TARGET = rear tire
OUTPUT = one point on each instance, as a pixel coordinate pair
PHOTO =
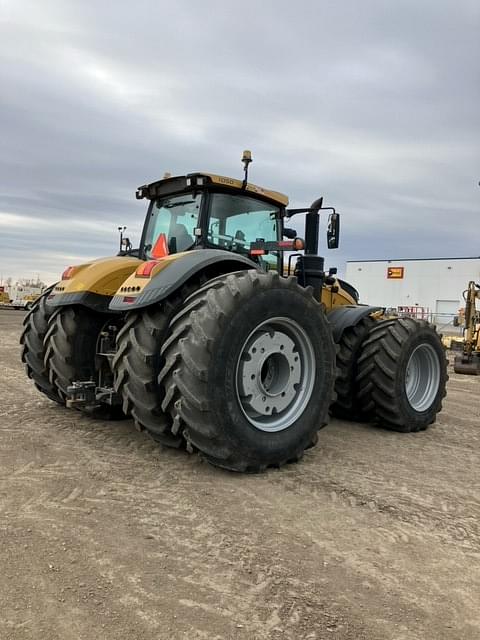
(136, 367)
(213, 370)
(137, 364)
(70, 351)
(402, 374)
(347, 406)
(32, 339)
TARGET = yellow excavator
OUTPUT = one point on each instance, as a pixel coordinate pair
(468, 361)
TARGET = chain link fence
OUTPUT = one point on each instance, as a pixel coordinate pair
(446, 323)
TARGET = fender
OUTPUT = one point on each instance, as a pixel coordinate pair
(346, 286)
(168, 274)
(348, 315)
(337, 294)
(92, 284)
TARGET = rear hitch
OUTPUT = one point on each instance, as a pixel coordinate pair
(82, 395)
(86, 395)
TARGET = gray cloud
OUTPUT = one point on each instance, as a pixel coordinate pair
(372, 104)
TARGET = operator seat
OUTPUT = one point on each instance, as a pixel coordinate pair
(239, 241)
(183, 240)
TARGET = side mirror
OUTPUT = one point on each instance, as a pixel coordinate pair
(291, 234)
(333, 231)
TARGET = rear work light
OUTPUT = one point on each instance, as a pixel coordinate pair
(145, 269)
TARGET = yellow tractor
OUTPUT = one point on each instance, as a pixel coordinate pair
(211, 340)
(469, 360)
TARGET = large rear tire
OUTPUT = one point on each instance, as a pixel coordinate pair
(249, 370)
(35, 325)
(347, 406)
(136, 367)
(402, 374)
(71, 351)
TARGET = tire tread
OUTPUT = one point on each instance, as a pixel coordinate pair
(187, 370)
(377, 370)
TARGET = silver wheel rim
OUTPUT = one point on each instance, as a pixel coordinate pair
(275, 374)
(422, 379)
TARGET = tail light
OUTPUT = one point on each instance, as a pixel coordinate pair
(145, 269)
(68, 273)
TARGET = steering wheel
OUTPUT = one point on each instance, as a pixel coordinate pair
(221, 240)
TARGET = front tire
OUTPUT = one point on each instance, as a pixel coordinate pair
(402, 374)
(249, 370)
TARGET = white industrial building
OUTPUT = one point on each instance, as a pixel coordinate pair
(430, 287)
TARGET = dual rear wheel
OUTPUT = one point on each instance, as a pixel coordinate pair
(60, 346)
(402, 375)
(249, 370)
(35, 327)
(391, 372)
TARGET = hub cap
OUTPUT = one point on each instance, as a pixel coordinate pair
(275, 374)
(422, 378)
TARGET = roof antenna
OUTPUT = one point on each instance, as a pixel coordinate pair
(122, 231)
(246, 159)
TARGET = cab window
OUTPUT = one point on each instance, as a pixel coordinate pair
(237, 221)
(171, 225)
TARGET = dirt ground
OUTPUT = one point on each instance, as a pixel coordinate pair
(103, 534)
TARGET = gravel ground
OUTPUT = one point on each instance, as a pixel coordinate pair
(103, 534)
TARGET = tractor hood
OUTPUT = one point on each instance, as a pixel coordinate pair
(93, 284)
(153, 281)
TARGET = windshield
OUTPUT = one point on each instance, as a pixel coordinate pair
(171, 225)
(237, 221)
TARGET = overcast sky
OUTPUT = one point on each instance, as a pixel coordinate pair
(373, 104)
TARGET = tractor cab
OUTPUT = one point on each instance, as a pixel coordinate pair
(235, 224)
(207, 211)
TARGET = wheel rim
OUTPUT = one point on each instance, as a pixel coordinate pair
(422, 378)
(275, 374)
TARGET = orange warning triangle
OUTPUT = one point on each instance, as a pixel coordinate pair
(160, 248)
